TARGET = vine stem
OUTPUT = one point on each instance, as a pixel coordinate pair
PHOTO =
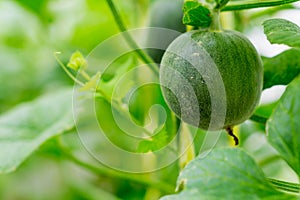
(66, 70)
(113, 173)
(253, 4)
(131, 42)
(105, 97)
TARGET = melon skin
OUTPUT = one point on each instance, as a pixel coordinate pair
(212, 80)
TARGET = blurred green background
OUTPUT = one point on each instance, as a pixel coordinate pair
(31, 31)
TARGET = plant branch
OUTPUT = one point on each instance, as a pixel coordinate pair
(116, 174)
(255, 4)
(144, 56)
(286, 186)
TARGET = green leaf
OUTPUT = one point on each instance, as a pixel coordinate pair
(281, 31)
(77, 61)
(195, 14)
(25, 128)
(281, 69)
(265, 110)
(283, 126)
(225, 173)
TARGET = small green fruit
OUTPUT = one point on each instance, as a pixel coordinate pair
(212, 79)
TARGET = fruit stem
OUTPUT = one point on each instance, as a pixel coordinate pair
(230, 133)
(216, 23)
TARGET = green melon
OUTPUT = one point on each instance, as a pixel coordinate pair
(212, 79)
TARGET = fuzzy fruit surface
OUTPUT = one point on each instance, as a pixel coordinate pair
(211, 80)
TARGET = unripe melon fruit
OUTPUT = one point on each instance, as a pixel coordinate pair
(201, 67)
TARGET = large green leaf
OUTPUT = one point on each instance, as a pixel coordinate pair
(25, 128)
(225, 174)
(281, 31)
(281, 69)
(284, 125)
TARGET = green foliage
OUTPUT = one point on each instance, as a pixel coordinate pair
(111, 77)
(139, 107)
(266, 110)
(281, 31)
(281, 69)
(25, 128)
(225, 174)
(283, 126)
(159, 139)
(196, 14)
(33, 121)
